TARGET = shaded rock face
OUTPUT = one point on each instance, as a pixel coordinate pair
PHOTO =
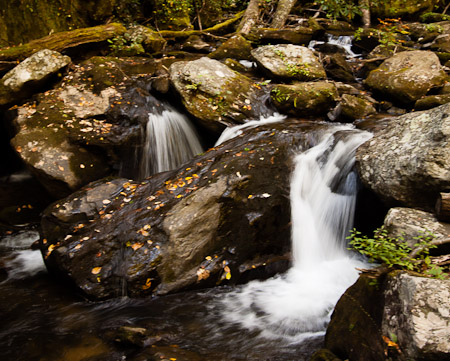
(297, 36)
(216, 95)
(82, 130)
(407, 162)
(412, 309)
(407, 76)
(289, 62)
(31, 73)
(417, 312)
(218, 216)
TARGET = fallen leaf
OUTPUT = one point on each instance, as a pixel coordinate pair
(96, 270)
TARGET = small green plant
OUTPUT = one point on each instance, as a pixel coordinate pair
(395, 252)
(279, 96)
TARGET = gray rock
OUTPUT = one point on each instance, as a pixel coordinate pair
(33, 71)
(216, 95)
(417, 312)
(289, 62)
(407, 76)
(410, 311)
(407, 163)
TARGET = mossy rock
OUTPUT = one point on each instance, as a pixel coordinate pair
(432, 101)
(401, 8)
(353, 107)
(216, 95)
(297, 36)
(407, 76)
(237, 47)
(305, 99)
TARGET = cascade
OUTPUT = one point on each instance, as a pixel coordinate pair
(298, 305)
(170, 140)
(341, 41)
(236, 130)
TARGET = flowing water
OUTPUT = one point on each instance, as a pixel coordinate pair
(170, 140)
(297, 305)
(341, 41)
(282, 319)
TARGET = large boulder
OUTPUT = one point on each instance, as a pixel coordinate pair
(407, 76)
(396, 316)
(31, 74)
(216, 95)
(407, 163)
(289, 62)
(85, 128)
(222, 216)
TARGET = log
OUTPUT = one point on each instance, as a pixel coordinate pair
(62, 41)
(250, 18)
(443, 207)
(281, 14)
(212, 30)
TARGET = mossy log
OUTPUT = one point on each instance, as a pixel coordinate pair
(212, 30)
(62, 41)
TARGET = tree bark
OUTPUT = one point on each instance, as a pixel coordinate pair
(443, 207)
(365, 10)
(284, 8)
(250, 17)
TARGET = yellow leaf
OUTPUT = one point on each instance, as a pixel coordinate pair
(96, 270)
(136, 246)
(209, 258)
(228, 276)
(250, 196)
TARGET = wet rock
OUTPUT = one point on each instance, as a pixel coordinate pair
(353, 332)
(216, 95)
(289, 62)
(189, 228)
(296, 36)
(82, 130)
(134, 336)
(410, 311)
(407, 76)
(304, 99)
(407, 163)
(412, 223)
(236, 47)
(30, 75)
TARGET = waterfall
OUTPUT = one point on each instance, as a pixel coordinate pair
(170, 140)
(236, 130)
(298, 305)
(342, 41)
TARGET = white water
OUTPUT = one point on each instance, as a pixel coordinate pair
(22, 262)
(170, 141)
(342, 41)
(236, 130)
(298, 305)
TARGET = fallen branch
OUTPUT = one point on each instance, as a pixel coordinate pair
(436, 242)
(186, 33)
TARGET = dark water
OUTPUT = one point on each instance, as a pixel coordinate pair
(44, 320)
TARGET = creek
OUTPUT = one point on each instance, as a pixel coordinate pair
(283, 318)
